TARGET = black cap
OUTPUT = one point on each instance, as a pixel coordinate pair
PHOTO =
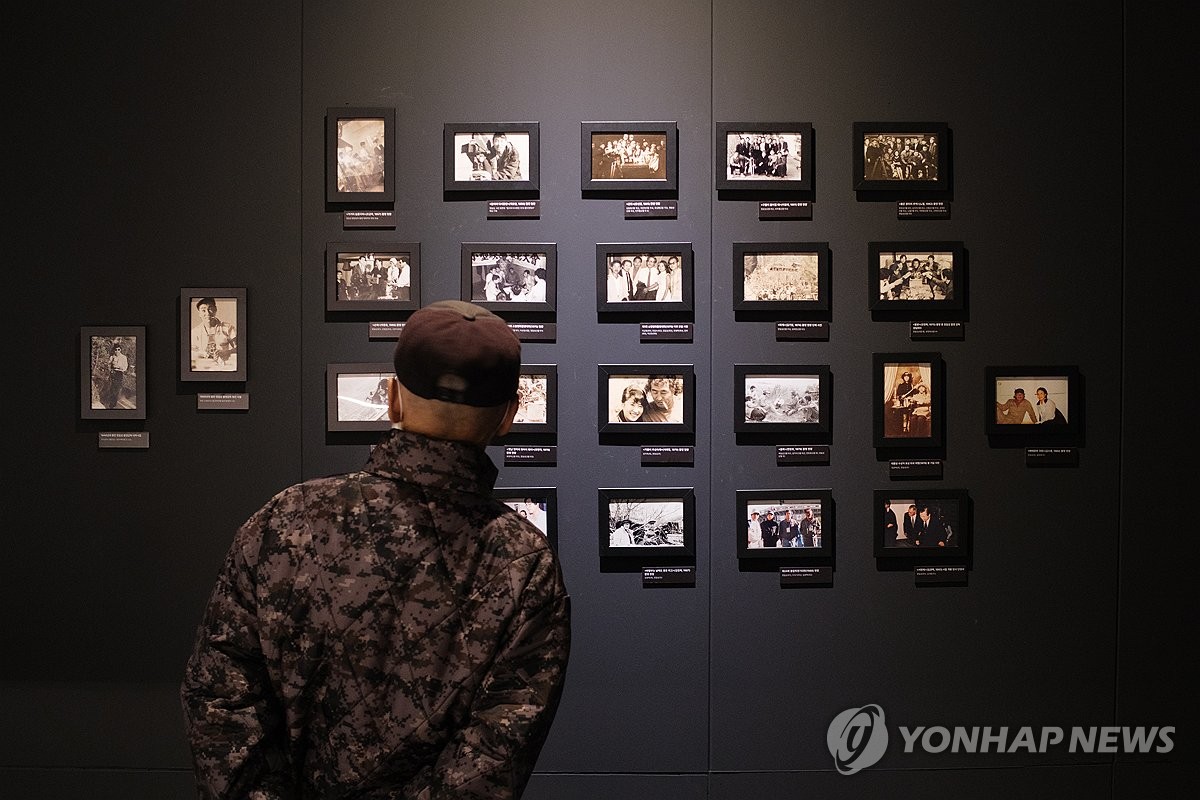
(458, 352)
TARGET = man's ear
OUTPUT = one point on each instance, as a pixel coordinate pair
(395, 402)
(510, 413)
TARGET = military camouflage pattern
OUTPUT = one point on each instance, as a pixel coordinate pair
(392, 633)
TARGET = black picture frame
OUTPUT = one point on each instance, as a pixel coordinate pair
(755, 504)
(1059, 420)
(907, 278)
(511, 260)
(949, 513)
(621, 300)
(470, 162)
(913, 417)
(874, 173)
(779, 277)
(613, 384)
(658, 521)
(600, 172)
(544, 516)
(112, 380)
(213, 349)
(537, 389)
(783, 169)
(362, 172)
(778, 399)
(348, 289)
(356, 396)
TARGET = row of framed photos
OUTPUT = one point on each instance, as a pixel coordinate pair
(910, 277)
(778, 525)
(630, 157)
(786, 401)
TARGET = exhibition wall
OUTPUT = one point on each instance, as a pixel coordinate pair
(186, 147)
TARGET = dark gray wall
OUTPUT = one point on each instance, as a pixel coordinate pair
(163, 147)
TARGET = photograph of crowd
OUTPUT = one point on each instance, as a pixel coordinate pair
(361, 154)
(1032, 400)
(532, 400)
(373, 276)
(651, 277)
(643, 522)
(213, 343)
(508, 277)
(917, 275)
(491, 156)
(783, 523)
(771, 277)
(762, 156)
(114, 372)
(907, 400)
(782, 398)
(645, 398)
(362, 397)
(629, 156)
(919, 522)
(900, 157)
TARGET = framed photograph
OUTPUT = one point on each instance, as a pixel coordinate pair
(537, 396)
(212, 334)
(372, 276)
(647, 522)
(784, 523)
(909, 392)
(1033, 402)
(539, 505)
(490, 156)
(929, 524)
(510, 276)
(639, 399)
(360, 155)
(901, 156)
(764, 156)
(918, 277)
(781, 276)
(644, 278)
(112, 372)
(356, 396)
(630, 156)
(781, 399)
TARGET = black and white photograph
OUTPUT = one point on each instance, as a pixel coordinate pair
(373, 276)
(775, 156)
(915, 276)
(784, 523)
(538, 505)
(360, 155)
(921, 525)
(631, 156)
(491, 156)
(537, 399)
(1033, 401)
(356, 396)
(644, 277)
(657, 520)
(779, 398)
(513, 276)
(646, 398)
(112, 372)
(908, 391)
(781, 276)
(900, 156)
(212, 334)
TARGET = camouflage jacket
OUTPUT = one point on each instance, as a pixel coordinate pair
(391, 633)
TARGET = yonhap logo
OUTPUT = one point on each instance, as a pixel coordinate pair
(857, 738)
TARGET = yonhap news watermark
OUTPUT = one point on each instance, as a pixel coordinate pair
(858, 738)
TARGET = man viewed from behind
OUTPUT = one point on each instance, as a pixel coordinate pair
(396, 631)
